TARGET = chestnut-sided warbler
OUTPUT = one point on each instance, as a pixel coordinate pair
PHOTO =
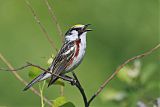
(69, 56)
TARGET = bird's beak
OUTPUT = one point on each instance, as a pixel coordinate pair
(85, 28)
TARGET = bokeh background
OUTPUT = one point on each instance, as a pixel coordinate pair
(121, 30)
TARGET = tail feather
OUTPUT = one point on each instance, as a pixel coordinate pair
(37, 79)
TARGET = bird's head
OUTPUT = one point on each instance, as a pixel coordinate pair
(76, 32)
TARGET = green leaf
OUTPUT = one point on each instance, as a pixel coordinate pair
(59, 101)
(33, 72)
(123, 75)
(147, 72)
(50, 59)
(68, 104)
(113, 95)
(58, 82)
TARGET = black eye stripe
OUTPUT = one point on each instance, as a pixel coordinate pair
(77, 29)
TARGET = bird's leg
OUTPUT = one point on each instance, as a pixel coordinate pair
(69, 79)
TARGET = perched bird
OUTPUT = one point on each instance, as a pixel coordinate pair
(69, 56)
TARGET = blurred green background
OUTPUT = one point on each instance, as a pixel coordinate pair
(121, 30)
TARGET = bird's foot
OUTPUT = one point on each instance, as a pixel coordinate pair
(73, 82)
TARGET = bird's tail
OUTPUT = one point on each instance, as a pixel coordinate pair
(41, 77)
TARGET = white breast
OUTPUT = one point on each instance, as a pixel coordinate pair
(77, 60)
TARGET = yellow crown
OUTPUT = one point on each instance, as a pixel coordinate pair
(77, 25)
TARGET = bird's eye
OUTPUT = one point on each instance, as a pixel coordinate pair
(70, 33)
(79, 30)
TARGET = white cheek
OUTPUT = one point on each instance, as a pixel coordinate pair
(72, 37)
(74, 32)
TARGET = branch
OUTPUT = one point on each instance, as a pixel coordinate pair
(78, 85)
(59, 30)
(33, 65)
(119, 68)
(29, 64)
(41, 26)
(61, 90)
(54, 19)
(22, 80)
(41, 89)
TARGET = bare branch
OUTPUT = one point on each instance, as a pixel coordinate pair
(61, 90)
(23, 67)
(59, 30)
(46, 70)
(22, 80)
(119, 68)
(78, 85)
(54, 19)
(33, 65)
(41, 25)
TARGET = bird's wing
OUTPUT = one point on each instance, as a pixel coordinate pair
(60, 62)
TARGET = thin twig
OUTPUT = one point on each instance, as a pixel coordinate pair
(41, 89)
(22, 80)
(46, 71)
(59, 30)
(54, 19)
(78, 85)
(61, 90)
(41, 26)
(119, 68)
(23, 67)
(33, 65)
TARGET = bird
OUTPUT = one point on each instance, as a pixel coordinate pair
(68, 57)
